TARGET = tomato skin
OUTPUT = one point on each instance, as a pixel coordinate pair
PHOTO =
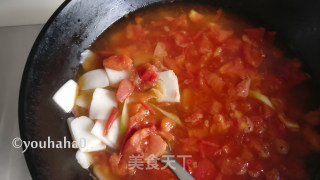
(125, 89)
(118, 62)
(205, 170)
(112, 117)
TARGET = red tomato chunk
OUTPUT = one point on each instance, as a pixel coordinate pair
(118, 62)
(125, 89)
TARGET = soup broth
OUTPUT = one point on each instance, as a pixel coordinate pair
(208, 84)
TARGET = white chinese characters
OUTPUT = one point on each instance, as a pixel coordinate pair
(150, 162)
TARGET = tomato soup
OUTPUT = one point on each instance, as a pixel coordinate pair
(212, 87)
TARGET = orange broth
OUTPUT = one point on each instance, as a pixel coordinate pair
(222, 65)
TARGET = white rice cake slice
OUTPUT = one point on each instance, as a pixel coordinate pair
(66, 95)
(94, 79)
(84, 159)
(171, 87)
(102, 103)
(87, 54)
(116, 76)
(69, 120)
(80, 130)
(112, 139)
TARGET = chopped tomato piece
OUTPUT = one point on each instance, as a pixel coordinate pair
(205, 170)
(181, 21)
(255, 35)
(134, 108)
(293, 74)
(125, 89)
(252, 55)
(239, 166)
(243, 87)
(139, 117)
(148, 73)
(194, 118)
(112, 117)
(129, 131)
(233, 69)
(167, 124)
(220, 124)
(255, 169)
(135, 78)
(118, 62)
(216, 82)
(262, 149)
(166, 135)
(234, 166)
(232, 45)
(215, 107)
(205, 45)
(219, 34)
(147, 142)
